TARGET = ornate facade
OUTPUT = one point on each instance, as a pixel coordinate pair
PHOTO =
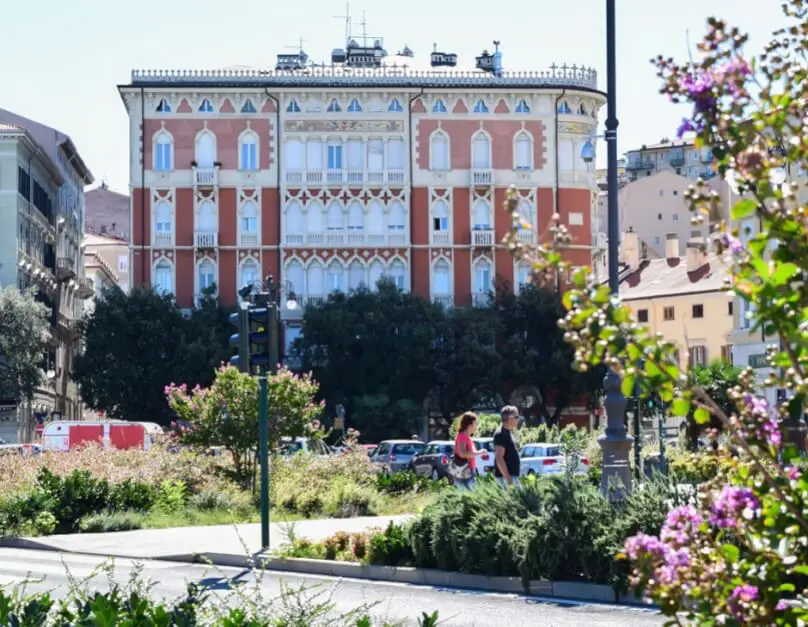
(331, 179)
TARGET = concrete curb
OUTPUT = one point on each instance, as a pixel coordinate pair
(569, 590)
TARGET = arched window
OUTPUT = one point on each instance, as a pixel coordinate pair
(522, 276)
(440, 216)
(523, 152)
(375, 273)
(439, 106)
(522, 107)
(293, 107)
(564, 107)
(481, 151)
(395, 154)
(205, 149)
(395, 106)
(249, 217)
(396, 217)
(206, 217)
(248, 273)
(163, 152)
(526, 215)
(206, 275)
(333, 106)
(248, 107)
(248, 151)
(163, 106)
(315, 220)
(205, 106)
(295, 222)
(314, 154)
(295, 155)
(354, 106)
(162, 218)
(376, 217)
(375, 155)
(582, 109)
(483, 283)
(295, 275)
(439, 152)
(398, 272)
(482, 214)
(356, 275)
(163, 277)
(441, 278)
(336, 217)
(356, 217)
(335, 272)
(480, 107)
(315, 280)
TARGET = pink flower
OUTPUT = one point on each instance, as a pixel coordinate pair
(741, 599)
(733, 502)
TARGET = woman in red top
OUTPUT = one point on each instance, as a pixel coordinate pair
(464, 450)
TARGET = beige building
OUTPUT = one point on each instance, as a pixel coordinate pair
(679, 157)
(681, 297)
(113, 253)
(107, 213)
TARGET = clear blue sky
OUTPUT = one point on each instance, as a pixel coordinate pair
(62, 61)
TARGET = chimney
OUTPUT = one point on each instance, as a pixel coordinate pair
(630, 250)
(672, 246)
(696, 254)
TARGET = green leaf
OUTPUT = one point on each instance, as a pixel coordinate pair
(701, 415)
(627, 386)
(744, 208)
(680, 407)
(802, 569)
(786, 587)
(731, 552)
(783, 273)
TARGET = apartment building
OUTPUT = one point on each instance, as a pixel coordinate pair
(679, 157)
(42, 179)
(106, 260)
(683, 298)
(332, 176)
(107, 213)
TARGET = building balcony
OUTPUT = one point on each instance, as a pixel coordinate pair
(206, 239)
(635, 165)
(481, 299)
(65, 269)
(344, 177)
(349, 237)
(206, 177)
(707, 156)
(86, 289)
(248, 239)
(676, 160)
(527, 236)
(441, 238)
(482, 177)
(446, 300)
(162, 239)
(483, 238)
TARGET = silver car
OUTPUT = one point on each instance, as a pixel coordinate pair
(396, 455)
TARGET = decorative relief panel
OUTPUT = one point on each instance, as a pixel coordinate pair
(314, 126)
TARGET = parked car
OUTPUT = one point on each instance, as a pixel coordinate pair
(396, 455)
(434, 460)
(485, 462)
(370, 448)
(303, 445)
(547, 459)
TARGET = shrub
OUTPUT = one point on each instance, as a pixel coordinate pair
(347, 499)
(390, 547)
(73, 497)
(400, 482)
(110, 521)
(222, 496)
(695, 468)
(131, 495)
(170, 495)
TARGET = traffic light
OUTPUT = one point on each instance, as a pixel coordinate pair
(259, 336)
(241, 340)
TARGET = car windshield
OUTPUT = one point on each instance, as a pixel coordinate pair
(438, 449)
(488, 445)
(292, 447)
(408, 449)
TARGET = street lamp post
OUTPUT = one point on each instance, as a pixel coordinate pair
(615, 443)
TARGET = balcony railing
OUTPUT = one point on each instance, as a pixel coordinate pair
(64, 268)
(481, 299)
(634, 165)
(162, 238)
(206, 177)
(482, 237)
(86, 289)
(206, 239)
(527, 236)
(347, 237)
(349, 177)
(447, 300)
(482, 177)
(441, 238)
(676, 160)
(248, 239)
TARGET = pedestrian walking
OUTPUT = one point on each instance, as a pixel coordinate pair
(463, 467)
(506, 455)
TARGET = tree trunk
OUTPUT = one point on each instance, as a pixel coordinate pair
(25, 431)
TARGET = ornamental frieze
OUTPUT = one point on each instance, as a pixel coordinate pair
(322, 126)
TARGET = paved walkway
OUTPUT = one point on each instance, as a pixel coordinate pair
(182, 542)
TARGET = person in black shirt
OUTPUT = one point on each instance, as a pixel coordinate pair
(506, 455)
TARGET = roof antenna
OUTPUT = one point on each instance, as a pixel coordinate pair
(347, 18)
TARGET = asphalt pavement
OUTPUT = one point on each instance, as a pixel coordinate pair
(401, 603)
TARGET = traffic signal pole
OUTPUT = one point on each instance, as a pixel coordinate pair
(263, 429)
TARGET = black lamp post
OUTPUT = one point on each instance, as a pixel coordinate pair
(615, 443)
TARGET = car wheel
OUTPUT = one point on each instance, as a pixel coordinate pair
(435, 474)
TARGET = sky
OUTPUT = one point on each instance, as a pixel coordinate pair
(63, 61)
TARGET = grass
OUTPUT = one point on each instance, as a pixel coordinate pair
(192, 517)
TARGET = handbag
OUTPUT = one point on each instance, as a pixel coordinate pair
(459, 469)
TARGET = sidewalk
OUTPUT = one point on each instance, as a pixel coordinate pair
(231, 542)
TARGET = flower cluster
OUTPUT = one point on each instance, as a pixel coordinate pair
(732, 505)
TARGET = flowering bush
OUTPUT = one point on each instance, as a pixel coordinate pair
(741, 556)
(226, 414)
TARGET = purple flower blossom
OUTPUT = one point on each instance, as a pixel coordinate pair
(793, 473)
(731, 503)
(688, 126)
(700, 87)
(680, 525)
(781, 606)
(767, 429)
(733, 244)
(644, 545)
(740, 600)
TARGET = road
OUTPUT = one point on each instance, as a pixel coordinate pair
(398, 603)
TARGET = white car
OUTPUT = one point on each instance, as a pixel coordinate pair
(303, 445)
(485, 462)
(544, 459)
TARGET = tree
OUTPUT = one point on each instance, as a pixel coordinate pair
(717, 379)
(226, 414)
(136, 344)
(24, 337)
(371, 343)
(537, 353)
